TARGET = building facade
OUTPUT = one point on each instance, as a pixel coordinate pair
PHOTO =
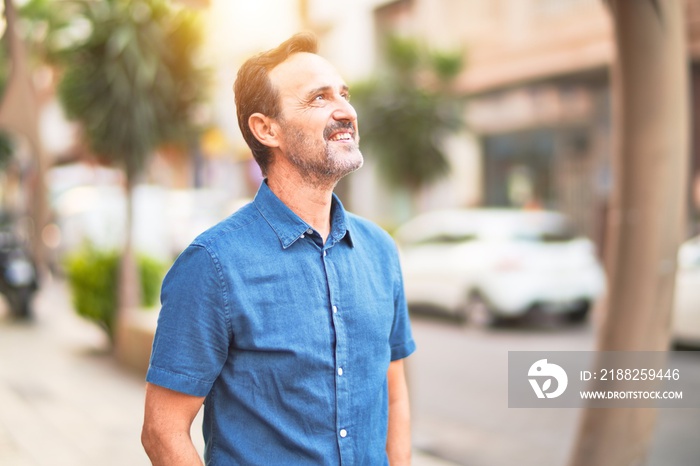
(538, 113)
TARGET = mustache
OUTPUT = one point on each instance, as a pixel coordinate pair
(340, 125)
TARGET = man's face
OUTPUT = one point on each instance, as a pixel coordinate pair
(317, 124)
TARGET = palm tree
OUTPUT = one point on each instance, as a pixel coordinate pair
(406, 113)
(133, 84)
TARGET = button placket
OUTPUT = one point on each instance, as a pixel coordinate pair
(341, 377)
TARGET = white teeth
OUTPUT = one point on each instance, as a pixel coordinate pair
(341, 137)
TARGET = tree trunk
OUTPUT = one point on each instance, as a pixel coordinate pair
(19, 112)
(129, 296)
(647, 212)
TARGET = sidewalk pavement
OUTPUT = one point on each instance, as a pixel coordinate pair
(64, 401)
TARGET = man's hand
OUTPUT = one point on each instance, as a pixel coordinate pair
(166, 427)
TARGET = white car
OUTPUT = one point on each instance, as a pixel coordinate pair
(686, 311)
(487, 265)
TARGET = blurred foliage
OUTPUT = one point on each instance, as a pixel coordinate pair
(6, 146)
(4, 63)
(93, 279)
(406, 111)
(50, 28)
(151, 272)
(134, 82)
(6, 149)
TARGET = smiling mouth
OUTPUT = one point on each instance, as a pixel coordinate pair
(341, 137)
(340, 131)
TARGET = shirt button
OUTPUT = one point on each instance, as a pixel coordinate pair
(340, 371)
(335, 309)
(309, 231)
(343, 433)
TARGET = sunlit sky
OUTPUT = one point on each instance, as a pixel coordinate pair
(236, 29)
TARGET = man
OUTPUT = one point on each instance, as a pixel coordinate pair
(288, 319)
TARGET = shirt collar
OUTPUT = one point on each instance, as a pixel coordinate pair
(289, 227)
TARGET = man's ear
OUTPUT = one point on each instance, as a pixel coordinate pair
(263, 129)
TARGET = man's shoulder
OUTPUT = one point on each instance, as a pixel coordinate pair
(243, 219)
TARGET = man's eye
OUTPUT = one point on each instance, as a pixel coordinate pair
(346, 97)
(320, 97)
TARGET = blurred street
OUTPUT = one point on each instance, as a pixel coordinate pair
(64, 399)
(458, 382)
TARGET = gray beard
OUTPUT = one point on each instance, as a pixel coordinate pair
(322, 172)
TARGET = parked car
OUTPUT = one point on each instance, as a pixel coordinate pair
(487, 265)
(686, 311)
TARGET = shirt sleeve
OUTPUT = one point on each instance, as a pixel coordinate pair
(193, 334)
(401, 339)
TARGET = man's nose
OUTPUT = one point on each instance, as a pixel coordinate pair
(344, 110)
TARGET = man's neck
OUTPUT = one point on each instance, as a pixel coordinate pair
(311, 203)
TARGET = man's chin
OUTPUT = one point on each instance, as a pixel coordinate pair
(349, 153)
(353, 164)
(358, 165)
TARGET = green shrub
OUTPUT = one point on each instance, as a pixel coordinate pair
(151, 271)
(93, 277)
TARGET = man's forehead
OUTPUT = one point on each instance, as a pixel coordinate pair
(305, 70)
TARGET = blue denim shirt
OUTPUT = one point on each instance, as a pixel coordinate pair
(288, 338)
